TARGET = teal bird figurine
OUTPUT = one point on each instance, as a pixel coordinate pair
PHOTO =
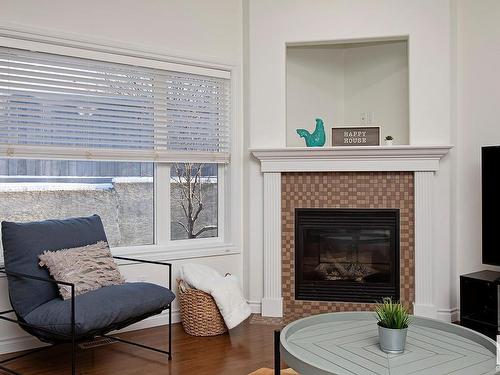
(316, 138)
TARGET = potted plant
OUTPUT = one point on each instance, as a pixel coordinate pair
(393, 320)
(388, 140)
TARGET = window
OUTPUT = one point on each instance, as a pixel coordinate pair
(120, 193)
(194, 201)
(94, 109)
(141, 145)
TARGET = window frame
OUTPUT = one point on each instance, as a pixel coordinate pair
(186, 248)
(228, 240)
(162, 220)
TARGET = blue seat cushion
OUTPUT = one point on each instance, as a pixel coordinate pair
(100, 310)
(24, 242)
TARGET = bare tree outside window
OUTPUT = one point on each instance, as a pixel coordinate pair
(194, 200)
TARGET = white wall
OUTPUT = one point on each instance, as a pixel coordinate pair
(338, 82)
(270, 25)
(314, 89)
(187, 28)
(209, 31)
(478, 120)
(376, 81)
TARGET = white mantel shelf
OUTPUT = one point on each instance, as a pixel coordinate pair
(351, 158)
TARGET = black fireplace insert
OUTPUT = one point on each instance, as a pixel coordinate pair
(349, 255)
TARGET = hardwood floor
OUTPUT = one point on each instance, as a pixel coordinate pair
(245, 349)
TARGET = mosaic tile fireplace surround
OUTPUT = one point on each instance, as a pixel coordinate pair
(346, 190)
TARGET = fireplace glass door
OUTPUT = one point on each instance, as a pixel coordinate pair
(347, 255)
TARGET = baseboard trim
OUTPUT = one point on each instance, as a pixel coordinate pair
(255, 307)
(449, 315)
(154, 321)
(19, 343)
(26, 342)
(455, 315)
(272, 307)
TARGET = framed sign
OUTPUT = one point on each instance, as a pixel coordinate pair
(356, 136)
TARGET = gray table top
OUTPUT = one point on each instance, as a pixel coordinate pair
(347, 343)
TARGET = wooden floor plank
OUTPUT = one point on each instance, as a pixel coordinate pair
(245, 349)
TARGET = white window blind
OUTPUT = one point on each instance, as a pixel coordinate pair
(55, 106)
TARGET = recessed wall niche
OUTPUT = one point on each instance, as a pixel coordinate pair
(348, 84)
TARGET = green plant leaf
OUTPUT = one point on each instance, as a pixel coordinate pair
(392, 314)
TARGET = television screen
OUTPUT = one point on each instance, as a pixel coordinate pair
(490, 165)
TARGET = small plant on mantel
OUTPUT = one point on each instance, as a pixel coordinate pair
(388, 140)
(393, 321)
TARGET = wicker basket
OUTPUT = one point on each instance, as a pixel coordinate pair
(199, 313)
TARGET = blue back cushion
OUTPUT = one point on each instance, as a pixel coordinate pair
(24, 242)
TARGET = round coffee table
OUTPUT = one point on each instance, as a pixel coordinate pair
(347, 343)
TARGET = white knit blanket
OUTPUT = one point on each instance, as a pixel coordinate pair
(226, 291)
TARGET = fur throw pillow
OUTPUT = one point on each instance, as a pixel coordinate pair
(88, 267)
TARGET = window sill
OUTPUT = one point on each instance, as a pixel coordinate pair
(174, 252)
(170, 253)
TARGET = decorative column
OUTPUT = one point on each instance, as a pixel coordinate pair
(272, 303)
(424, 287)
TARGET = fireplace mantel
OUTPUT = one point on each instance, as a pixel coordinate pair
(422, 160)
(351, 159)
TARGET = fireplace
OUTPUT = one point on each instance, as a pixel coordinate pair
(349, 255)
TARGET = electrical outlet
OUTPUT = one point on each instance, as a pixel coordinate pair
(371, 118)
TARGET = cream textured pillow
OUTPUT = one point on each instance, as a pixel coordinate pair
(88, 267)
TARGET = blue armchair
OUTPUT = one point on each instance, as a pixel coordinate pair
(40, 310)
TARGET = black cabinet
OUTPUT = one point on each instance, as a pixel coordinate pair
(479, 302)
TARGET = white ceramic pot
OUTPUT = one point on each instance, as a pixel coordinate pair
(388, 142)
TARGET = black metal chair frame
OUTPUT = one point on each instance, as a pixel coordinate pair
(72, 338)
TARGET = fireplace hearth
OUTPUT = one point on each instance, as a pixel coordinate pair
(347, 255)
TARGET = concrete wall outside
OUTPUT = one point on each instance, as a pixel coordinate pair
(125, 207)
